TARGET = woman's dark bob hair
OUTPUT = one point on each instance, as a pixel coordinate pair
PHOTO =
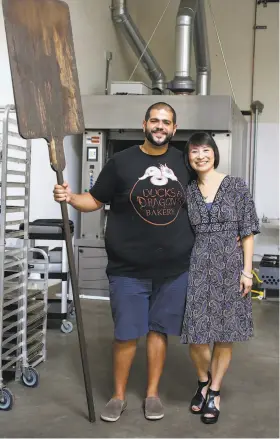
(199, 139)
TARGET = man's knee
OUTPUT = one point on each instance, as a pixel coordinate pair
(157, 334)
(130, 342)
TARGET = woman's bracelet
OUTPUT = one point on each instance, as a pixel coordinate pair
(248, 275)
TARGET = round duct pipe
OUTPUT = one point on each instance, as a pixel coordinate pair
(182, 82)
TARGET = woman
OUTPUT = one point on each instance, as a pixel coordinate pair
(218, 307)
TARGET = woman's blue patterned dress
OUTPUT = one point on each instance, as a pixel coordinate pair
(215, 310)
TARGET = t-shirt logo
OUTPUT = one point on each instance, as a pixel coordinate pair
(157, 196)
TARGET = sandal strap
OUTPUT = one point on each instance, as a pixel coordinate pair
(210, 407)
(198, 399)
(202, 384)
(213, 392)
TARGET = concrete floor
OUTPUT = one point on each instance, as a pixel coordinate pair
(57, 408)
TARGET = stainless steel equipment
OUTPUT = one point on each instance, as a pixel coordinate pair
(94, 147)
(114, 123)
(23, 301)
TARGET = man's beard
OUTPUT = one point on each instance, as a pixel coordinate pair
(149, 137)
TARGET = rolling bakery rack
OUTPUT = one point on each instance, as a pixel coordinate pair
(23, 297)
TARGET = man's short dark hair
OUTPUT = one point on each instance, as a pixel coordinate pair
(159, 106)
(199, 139)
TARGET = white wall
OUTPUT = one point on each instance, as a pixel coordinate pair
(94, 34)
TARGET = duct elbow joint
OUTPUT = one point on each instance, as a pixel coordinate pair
(119, 11)
(119, 17)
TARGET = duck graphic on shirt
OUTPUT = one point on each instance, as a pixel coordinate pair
(158, 195)
(159, 176)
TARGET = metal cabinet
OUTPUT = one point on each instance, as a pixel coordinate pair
(91, 265)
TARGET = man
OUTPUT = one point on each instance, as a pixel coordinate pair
(148, 242)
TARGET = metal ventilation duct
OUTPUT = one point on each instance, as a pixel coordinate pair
(182, 82)
(201, 49)
(191, 19)
(122, 18)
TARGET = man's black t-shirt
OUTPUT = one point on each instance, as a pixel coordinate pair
(148, 232)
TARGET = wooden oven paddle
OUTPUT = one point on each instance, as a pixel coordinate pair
(48, 102)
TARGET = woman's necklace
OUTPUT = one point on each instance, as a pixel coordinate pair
(203, 196)
(209, 186)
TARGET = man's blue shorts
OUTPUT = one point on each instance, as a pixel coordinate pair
(142, 305)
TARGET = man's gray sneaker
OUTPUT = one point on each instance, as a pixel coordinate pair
(113, 410)
(153, 408)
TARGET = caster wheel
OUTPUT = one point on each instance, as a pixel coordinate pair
(73, 314)
(31, 379)
(66, 327)
(6, 399)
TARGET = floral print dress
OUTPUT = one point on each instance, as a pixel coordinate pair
(215, 309)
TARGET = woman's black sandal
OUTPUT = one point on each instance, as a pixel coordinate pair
(198, 400)
(210, 408)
